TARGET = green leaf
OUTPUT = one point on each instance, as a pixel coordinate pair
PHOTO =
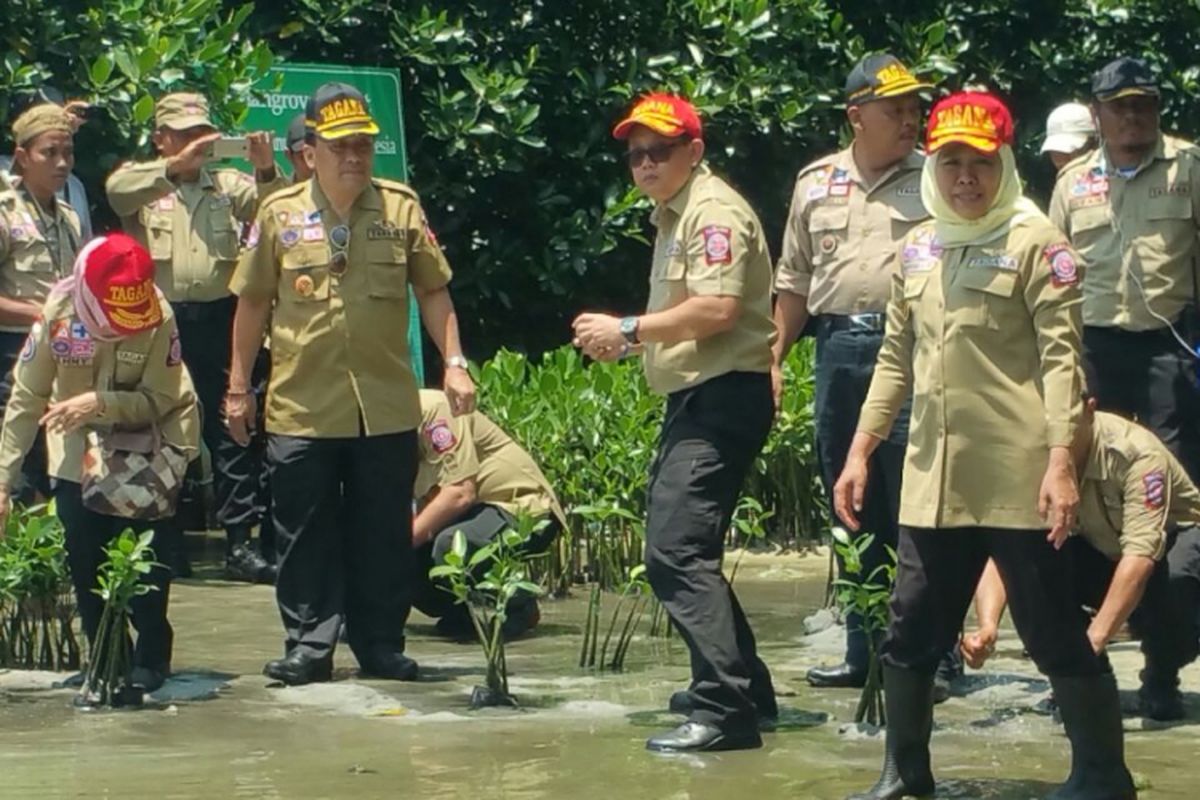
(143, 109)
(101, 70)
(126, 65)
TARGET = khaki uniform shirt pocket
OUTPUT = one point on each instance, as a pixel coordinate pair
(304, 274)
(829, 228)
(159, 236)
(223, 243)
(387, 270)
(987, 291)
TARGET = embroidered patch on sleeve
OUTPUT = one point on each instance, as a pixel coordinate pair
(430, 235)
(1155, 484)
(718, 245)
(30, 348)
(440, 437)
(175, 351)
(1063, 269)
(252, 237)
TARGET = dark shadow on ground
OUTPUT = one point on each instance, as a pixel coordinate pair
(1001, 789)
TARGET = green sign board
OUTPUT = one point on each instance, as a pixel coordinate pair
(279, 106)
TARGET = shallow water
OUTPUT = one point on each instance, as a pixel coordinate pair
(218, 731)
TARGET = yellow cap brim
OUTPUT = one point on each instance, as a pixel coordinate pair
(354, 126)
(1132, 91)
(984, 144)
(667, 126)
(902, 88)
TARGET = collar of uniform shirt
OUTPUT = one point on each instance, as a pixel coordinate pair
(1159, 152)
(679, 202)
(367, 199)
(912, 161)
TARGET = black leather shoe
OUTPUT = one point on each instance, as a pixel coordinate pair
(697, 737)
(245, 565)
(146, 679)
(72, 681)
(390, 666)
(297, 669)
(843, 676)
(681, 703)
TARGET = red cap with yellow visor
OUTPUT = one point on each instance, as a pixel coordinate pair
(976, 119)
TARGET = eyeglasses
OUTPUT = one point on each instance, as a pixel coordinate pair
(339, 239)
(657, 153)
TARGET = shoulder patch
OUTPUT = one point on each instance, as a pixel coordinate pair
(718, 244)
(174, 351)
(825, 163)
(1154, 483)
(440, 437)
(1063, 269)
(286, 193)
(30, 348)
(394, 186)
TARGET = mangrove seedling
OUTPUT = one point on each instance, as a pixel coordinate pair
(128, 559)
(634, 596)
(867, 596)
(486, 582)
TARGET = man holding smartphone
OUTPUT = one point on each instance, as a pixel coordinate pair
(190, 215)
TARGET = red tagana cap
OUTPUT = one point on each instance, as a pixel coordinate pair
(119, 274)
(977, 119)
(663, 113)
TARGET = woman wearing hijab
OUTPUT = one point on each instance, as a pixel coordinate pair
(103, 354)
(984, 326)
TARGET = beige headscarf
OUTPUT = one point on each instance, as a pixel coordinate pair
(1008, 208)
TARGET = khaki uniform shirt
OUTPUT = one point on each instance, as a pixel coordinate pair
(839, 246)
(1131, 490)
(192, 230)
(140, 380)
(987, 338)
(1142, 228)
(339, 344)
(35, 252)
(454, 449)
(710, 243)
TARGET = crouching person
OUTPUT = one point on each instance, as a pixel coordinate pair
(104, 359)
(474, 478)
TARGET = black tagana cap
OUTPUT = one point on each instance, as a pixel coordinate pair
(878, 76)
(1124, 77)
(297, 133)
(336, 110)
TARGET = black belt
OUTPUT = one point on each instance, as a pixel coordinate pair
(212, 309)
(871, 322)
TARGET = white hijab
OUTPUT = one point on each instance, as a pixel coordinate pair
(1009, 207)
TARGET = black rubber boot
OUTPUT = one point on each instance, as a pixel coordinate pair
(908, 699)
(1091, 713)
(1159, 694)
(242, 561)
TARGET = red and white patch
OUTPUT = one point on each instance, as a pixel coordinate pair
(718, 245)
(441, 438)
(175, 351)
(166, 203)
(430, 235)
(1155, 484)
(1063, 269)
(252, 237)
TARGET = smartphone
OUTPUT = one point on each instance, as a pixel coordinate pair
(230, 147)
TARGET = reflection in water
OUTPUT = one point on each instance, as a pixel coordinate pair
(579, 734)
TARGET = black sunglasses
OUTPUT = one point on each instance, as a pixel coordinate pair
(339, 238)
(657, 153)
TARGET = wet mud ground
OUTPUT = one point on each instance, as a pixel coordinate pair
(219, 730)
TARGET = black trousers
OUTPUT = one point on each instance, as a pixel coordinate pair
(206, 339)
(480, 524)
(845, 363)
(710, 436)
(1148, 377)
(936, 576)
(34, 479)
(1165, 619)
(86, 533)
(343, 526)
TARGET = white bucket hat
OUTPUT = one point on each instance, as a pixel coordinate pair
(1068, 128)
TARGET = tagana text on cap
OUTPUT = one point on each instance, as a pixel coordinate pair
(878, 76)
(182, 110)
(976, 119)
(38, 120)
(666, 114)
(338, 110)
(1124, 77)
(119, 273)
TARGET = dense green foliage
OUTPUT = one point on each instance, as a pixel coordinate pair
(37, 606)
(593, 428)
(510, 102)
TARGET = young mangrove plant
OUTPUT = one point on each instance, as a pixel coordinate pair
(37, 606)
(633, 599)
(487, 582)
(866, 596)
(128, 559)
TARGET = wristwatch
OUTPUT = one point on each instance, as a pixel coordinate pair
(629, 329)
(457, 361)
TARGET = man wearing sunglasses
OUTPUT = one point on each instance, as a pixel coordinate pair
(190, 214)
(705, 342)
(849, 210)
(330, 262)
